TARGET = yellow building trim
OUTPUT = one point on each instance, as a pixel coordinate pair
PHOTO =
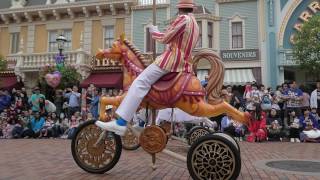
(78, 28)
(41, 39)
(24, 36)
(97, 36)
(119, 27)
(4, 41)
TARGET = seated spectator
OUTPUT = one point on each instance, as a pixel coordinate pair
(73, 125)
(274, 126)
(78, 117)
(239, 130)
(18, 127)
(5, 100)
(316, 116)
(36, 124)
(7, 131)
(295, 127)
(56, 126)
(307, 116)
(42, 107)
(46, 130)
(310, 133)
(227, 126)
(257, 124)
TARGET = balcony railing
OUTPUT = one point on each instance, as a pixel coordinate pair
(150, 2)
(36, 61)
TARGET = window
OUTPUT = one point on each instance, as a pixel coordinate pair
(199, 45)
(15, 43)
(53, 45)
(149, 42)
(237, 36)
(210, 34)
(108, 36)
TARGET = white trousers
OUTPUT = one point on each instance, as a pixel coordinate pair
(138, 90)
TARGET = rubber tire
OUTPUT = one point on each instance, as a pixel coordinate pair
(223, 140)
(231, 139)
(107, 167)
(195, 129)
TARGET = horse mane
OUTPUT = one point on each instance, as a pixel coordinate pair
(135, 50)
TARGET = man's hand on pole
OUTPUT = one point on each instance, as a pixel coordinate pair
(153, 29)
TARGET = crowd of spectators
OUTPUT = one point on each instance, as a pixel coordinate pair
(288, 113)
(34, 116)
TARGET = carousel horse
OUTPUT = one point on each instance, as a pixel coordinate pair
(180, 90)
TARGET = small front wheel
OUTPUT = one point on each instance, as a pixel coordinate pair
(130, 141)
(92, 157)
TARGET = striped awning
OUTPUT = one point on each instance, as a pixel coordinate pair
(238, 76)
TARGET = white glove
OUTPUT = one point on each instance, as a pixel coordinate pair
(153, 29)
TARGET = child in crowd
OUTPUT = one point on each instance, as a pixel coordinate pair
(74, 123)
(294, 127)
(47, 128)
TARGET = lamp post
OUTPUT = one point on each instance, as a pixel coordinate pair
(61, 40)
(60, 57)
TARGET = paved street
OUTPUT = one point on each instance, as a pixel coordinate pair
(51, 159)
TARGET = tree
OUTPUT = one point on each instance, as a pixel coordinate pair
(306, 49)
(69, 77)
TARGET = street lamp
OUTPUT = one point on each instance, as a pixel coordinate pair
(61, 40)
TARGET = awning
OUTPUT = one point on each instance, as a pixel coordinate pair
(104, 80)
(238, 76)
(8, 82)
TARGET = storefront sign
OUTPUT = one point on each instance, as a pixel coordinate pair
(238, 55)
(313, 9)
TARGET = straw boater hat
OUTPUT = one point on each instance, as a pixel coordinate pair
(186, 4)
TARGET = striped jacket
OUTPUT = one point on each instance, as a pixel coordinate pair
(181, 38)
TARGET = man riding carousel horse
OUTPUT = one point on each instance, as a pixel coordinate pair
(181, 37)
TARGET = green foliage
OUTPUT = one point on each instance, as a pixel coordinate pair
(69, 74)
(3, 63)
(307, 46)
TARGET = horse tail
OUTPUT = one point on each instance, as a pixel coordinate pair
(216, 74)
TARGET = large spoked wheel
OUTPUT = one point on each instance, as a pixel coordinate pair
(130, 141)
(94, 158)
(213, 157)
(197, 132)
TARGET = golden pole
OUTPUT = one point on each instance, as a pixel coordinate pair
(154, 22)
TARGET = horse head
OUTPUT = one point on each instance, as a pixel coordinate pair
(126, 53)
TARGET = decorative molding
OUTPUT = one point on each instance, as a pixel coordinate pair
(127, 8)
(70, 12)
(42, 16)
(99, 12)
(28, 17)
(113, 9)
(56, 14)
(18, 3)
(5, 19)
(59, 25)
(85, 12)
(16, 18)
(231, 1)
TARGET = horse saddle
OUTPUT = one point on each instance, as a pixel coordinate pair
(168, 89)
